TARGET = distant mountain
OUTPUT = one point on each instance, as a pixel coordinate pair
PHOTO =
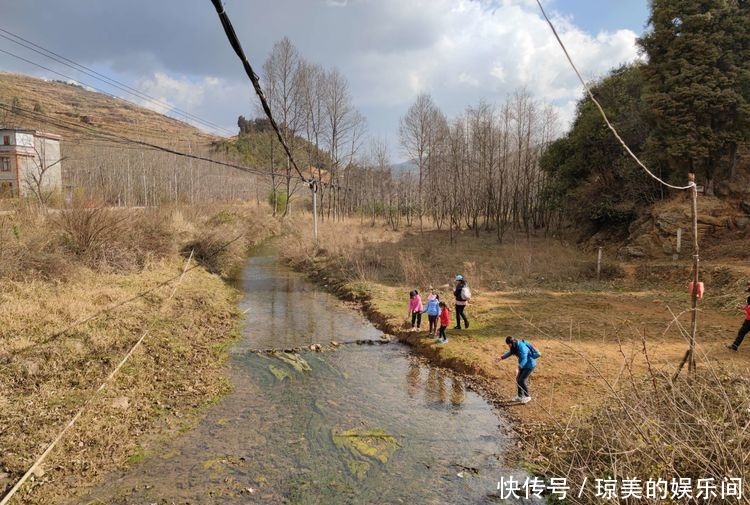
(404, 167)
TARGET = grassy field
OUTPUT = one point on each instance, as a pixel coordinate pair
(604, 343)
(67, 320)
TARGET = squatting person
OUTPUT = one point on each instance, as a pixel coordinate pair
(526, 354)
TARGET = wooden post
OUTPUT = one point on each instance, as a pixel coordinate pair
(694, 304)
(314, 189)
(599, 264)
(679, 240)
(690, 354)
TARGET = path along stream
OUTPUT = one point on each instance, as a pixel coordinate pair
(365, 424)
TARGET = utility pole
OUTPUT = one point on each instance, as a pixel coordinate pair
(690, 354)
(694, 319)
(314, 188)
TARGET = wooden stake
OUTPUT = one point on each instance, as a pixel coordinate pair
(599, 264)
(694, 304)
(314, 189)
(690, 354)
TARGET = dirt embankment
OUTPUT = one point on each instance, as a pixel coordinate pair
(73, 313)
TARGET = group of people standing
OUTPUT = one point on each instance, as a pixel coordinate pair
(438, 311)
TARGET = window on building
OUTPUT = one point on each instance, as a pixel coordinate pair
(6, 140)
(5, 167)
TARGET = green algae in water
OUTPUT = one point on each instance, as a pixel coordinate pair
(279, 372)
(293, 359)
(358, 468)
(363, 443)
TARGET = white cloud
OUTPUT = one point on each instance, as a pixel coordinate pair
(177, 92)
(460, 51)
(181, 93)
(482, 52)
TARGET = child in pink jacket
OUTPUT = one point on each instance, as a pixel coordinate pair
(415, 310)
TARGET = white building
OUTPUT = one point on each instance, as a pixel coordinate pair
(30, 163)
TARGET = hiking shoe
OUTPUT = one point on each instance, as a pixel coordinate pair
(443, 341)
(456, 327)
(525, 399)
(467, 325)
(517, 399)
(731, 347)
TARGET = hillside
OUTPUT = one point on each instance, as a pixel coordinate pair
(88, 109)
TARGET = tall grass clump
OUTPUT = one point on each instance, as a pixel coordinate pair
(657, 429)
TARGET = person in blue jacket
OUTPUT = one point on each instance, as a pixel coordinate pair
(433, 312)
(526, 364)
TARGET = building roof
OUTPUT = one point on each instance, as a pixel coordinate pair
(36, 133)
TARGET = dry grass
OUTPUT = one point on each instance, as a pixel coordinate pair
(655, 429)
(378, 254)
(43, 383)
(53, 245)
(60, 268)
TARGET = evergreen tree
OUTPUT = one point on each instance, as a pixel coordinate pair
(591, 179)
(697, 85)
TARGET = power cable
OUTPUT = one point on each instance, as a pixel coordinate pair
(90, 400)
(26, 60)
(601, 110)
(112, 137)
(106, 79)
(235, 43)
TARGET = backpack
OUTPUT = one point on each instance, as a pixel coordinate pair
(466, 293)
(533, 351)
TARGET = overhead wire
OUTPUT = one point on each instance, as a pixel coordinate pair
(235, 43)
(113, 137)
(601, 109)
(47, 53)
(43, 67)
(17, 486)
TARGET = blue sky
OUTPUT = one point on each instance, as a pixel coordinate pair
(596, 15)
(459, 51)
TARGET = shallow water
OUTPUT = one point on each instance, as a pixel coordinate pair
(364, 424)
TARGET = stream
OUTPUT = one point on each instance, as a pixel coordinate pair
(363, 424)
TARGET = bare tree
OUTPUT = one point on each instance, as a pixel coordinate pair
(419, 132)
(282, 83)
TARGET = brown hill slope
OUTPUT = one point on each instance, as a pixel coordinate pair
(88, 111)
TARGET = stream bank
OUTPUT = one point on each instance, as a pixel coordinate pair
(363, 424)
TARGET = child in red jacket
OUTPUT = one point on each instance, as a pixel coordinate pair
(445, 320)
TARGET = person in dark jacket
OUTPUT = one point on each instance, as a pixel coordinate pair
(526, 365)
(461, 301)
(745, 328)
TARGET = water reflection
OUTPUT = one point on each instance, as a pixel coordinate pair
(458, 391)
(413, 379)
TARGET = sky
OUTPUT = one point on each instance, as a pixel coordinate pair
(458, 51)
